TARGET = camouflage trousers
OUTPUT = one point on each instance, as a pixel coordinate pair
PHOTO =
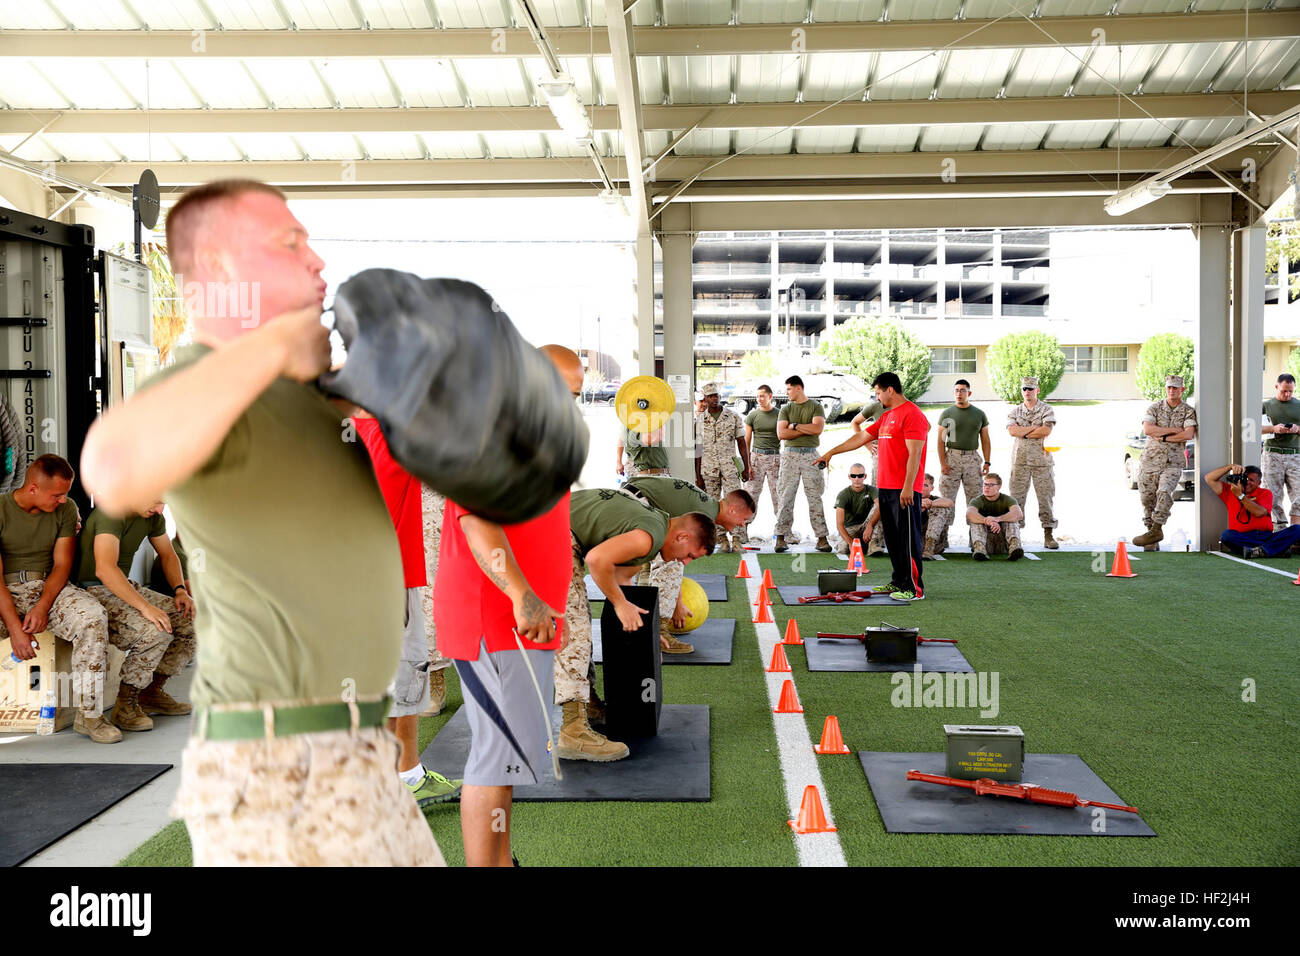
(796, 467)
(873, 546)
(964, 472)
(766, 470)
(148, 648)
(324, 799)
(431, 507)
(1282, 477)
(986, 541)
(574, 671)
(78, 618)
(937, 522)
(667, 577)
(720, 479)
(1157, 484)
(1042, 475)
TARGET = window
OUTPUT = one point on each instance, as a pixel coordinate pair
(1096, 358)
(952, 361)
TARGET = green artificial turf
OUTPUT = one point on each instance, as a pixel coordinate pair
(1140, 677)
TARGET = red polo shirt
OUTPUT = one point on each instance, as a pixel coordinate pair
(467, 606)
(892, 430)
(1240, 519)
(402, 495)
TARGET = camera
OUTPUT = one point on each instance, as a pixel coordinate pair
(1235, 479)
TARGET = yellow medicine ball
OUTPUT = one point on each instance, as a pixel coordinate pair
(695, 601)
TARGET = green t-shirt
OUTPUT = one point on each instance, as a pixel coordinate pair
(764, 425)
(673, 496)
(1282, 413)
(598, 514)
(300, 588)
(996, 508)
(962, 427)
(130, 533)
(802, 414)
(27, 540)
(856, 504)
(158, 577)
(644, 456)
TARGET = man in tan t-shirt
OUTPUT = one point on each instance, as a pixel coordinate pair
(38, 538)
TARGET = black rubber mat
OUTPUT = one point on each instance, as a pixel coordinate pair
(712, 641)
(670, 768)
(44, 802)
(841, 655)
(908, 806)
(791, 593)
(715, 587)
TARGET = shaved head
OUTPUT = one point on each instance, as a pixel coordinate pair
(568, 364)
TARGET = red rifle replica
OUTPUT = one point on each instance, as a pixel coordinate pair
(1022, 791)
(838, 597)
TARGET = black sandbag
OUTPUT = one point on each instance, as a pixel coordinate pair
(465, 403)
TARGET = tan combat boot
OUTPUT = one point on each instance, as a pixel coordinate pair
(724, 545)
(127, 713)
(578, 741)
(437, 693)
(669, 644)
(1151, 540)
(823, 545)
(97, 729)
(1048, 540)
(780, 543)
(154, 700)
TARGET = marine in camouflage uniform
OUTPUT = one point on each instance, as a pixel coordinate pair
(1280, 462)
(431, 508)
(1029, 462)
(77, 618)
(149, 649)
(1162, 463)
(764, 453)
(645, 456)
(798, 457)
(719, 435)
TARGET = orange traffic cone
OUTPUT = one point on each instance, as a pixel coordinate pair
(779, 665)
(743, 572)
(763, 598)
(1121, 567)
(812, 818)
(763, 614)
(792, 632)
(832, 740)
(856, 563)
(789, 702)
(767, 579)
(1297, 578)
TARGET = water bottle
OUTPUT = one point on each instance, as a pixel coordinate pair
(10, 662)
(50, 704)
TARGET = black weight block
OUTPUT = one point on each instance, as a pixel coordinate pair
(633, 678)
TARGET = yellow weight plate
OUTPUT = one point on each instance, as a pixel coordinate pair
(644, 403)
(697, 602)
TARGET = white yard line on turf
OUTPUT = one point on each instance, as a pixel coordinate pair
(1262, 567)
(794, 746)
(1032, 557)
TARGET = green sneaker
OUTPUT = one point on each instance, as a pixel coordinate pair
(906, 597)
(434, 788)
(884, 589)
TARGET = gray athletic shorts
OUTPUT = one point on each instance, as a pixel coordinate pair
(410, 688)
(508, 747)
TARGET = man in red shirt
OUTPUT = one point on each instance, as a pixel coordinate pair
(1250, 526)
(495, 582)
(900, 473)
(410, 688)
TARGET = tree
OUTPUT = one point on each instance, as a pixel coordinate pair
(1293, 362)
(1018, 354)
(758, 365)
(869, 346)
(169, 321)
(1284, 237)
(1165, 354)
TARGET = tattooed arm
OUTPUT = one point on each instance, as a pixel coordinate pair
(487, 542)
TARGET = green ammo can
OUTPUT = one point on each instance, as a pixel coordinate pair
(993, 753)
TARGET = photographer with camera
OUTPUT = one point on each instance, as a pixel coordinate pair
(1250, 527)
